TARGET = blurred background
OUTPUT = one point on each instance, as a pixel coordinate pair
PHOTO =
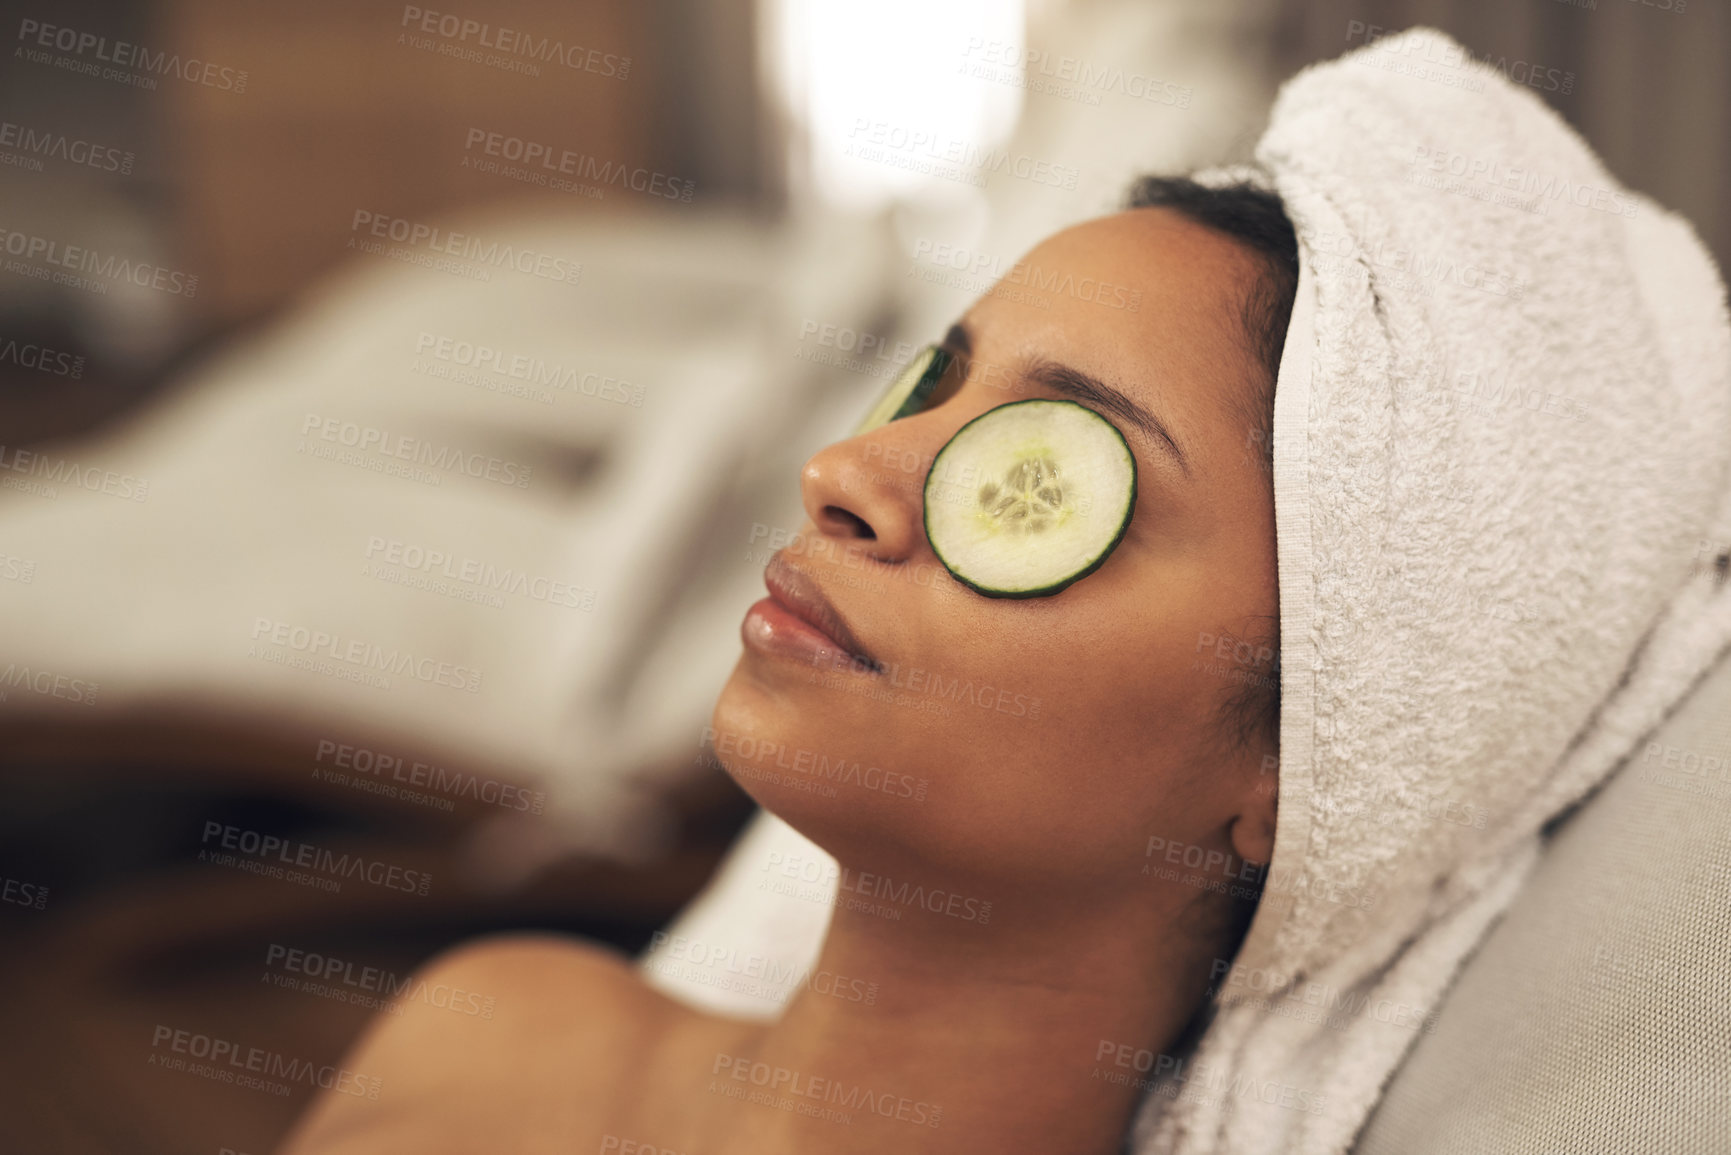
(398, 404)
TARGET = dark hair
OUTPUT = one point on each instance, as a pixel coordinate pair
(1256, 219)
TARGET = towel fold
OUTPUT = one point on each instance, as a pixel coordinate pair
(1502, 478)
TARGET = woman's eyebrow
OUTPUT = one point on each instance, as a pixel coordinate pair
(1080, 386)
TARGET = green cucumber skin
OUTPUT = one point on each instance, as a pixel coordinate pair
(917, 395)
(1059, 587)
(923, 388)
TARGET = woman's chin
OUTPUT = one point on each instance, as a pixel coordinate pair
(805, 772)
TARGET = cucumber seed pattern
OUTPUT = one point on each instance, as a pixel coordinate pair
(1030, 499)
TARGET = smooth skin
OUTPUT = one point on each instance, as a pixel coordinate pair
(1046, 813)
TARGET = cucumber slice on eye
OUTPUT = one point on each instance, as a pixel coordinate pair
(1029, 497)
(908, 392)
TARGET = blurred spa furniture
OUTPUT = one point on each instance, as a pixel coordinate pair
(501, 524)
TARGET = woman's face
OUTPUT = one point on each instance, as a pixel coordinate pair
(1043, 741)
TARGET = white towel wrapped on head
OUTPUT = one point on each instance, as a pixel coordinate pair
(1502, 434)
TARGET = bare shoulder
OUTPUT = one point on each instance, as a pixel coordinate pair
(534, 1034)
(540, 974)
(543, 994)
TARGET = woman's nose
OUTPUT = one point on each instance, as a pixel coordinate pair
(868, 492)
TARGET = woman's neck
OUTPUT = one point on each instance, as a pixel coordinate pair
(1033, 1031)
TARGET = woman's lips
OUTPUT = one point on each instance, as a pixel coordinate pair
(796, 620)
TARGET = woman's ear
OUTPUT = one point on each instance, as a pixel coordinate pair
(1252, 830)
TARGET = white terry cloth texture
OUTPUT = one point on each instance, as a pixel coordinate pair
(1502, 431)
(1596, 1015)
(1502, 440)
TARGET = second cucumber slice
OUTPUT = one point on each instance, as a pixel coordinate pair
(908, 392)
(1029, 497)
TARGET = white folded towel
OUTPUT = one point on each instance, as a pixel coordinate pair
(1502, 476)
